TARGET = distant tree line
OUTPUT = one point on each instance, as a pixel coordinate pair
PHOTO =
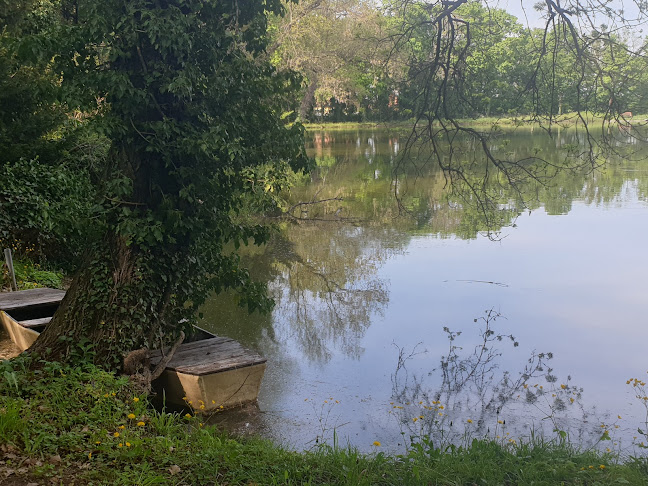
(367, 61)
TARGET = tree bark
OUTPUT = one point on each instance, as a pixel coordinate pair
(112, 305)
(308, 101)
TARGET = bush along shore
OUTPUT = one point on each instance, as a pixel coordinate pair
(81, 425)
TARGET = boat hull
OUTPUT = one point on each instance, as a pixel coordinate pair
(211, 392)
(22, 337)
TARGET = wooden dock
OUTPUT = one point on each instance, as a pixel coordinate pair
(205, 374)
(30, 299)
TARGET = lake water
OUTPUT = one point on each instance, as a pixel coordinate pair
(356, 342)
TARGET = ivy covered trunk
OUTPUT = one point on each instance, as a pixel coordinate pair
(112, 304)
(194, 116)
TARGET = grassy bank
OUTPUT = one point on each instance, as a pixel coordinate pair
(63, 425)
(566, 120)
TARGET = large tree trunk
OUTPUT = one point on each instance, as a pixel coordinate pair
(113, 304)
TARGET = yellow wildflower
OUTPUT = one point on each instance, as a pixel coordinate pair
(601, 466)
(128, 444)
(376, 443)
(136, 399)
(121, 427)
(116, 434)
(131, 416)
(469, 421)
(141, 424)
(188, 415)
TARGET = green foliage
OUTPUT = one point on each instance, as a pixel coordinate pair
(29, 275)
(47, 154)
(194, 116)
(44, 209)
(369, 62)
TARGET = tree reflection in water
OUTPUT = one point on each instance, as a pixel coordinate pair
(326, 286)
(329, 294)
(473, 397)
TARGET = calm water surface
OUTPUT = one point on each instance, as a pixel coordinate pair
(567, 277)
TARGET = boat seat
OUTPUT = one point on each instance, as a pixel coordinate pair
(32, 323)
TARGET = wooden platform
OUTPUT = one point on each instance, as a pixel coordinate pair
(31, 298)
(214, 355)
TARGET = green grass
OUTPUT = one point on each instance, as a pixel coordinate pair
(30, 275)
(61, 424)
(565, 120)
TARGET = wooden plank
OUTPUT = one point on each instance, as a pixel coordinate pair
(208, 356)
(237, 356)
(31, 323)
(30, 298)
(234, 362)
(233, 351)
(186, 349)
(208, 369)
(203, 346)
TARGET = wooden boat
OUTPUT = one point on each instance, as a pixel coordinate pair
(24, 314)
(210, 373)
(206, 373)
